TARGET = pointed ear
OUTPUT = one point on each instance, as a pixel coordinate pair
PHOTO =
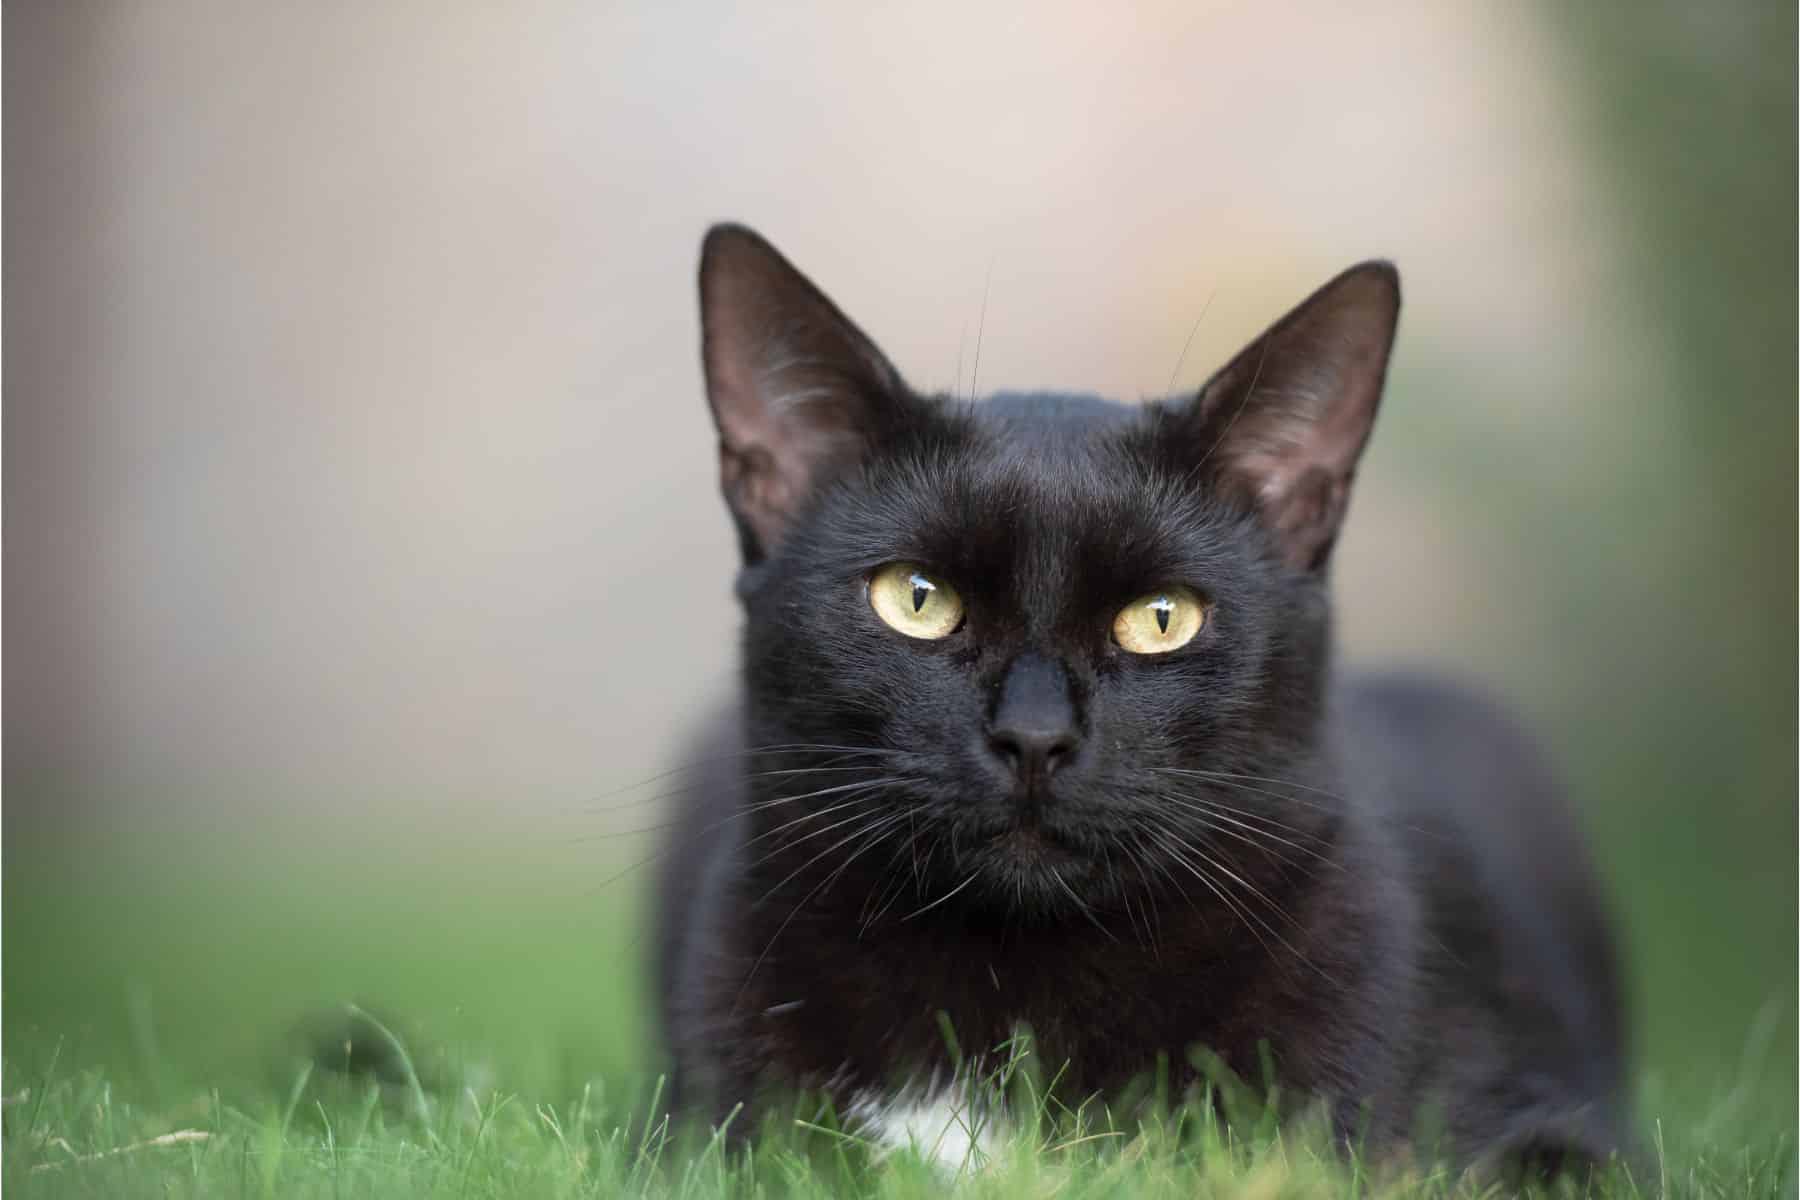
(1282, 425)
(798, 393)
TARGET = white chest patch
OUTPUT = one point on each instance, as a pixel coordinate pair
(942, 1126)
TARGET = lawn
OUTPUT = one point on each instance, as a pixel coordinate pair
(171, 1017)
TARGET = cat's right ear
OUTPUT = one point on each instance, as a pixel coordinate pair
(1281, 425)
(798, 392)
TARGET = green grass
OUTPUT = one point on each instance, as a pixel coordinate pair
(71, 1133)
(152, 1003)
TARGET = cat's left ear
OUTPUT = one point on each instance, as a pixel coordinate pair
(797, 391)
(1282, 425)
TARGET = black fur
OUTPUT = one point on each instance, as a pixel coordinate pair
(1374, 882)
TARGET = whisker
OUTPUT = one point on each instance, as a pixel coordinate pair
(912, 845)
(857, 788)
(980, 328)
(1243, 404)
(1139, 934)
(698, 763)
(664, 826)
(973, 875)
(1135, 859)
(1174, 847)
(1259, 841)
(807, 837)
(892, 892)
(806, 899)
(1144, 860)
(1187, 345)
(1231, 777)
(1155, 863)
(1081, 905)
(956, 389)
(672, 846)
(1223, 776)
(889, 831)
(892, 884)
(1270, 779)
(1261, 896)
(1250, 814)
(873, 822)
(735, 815)
(1249, 887)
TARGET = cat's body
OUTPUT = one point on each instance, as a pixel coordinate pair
(1130, 844)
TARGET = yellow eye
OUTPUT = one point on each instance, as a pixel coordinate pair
(1160, 622)
(917, 604)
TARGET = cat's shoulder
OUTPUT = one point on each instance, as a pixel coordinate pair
(1422, 724)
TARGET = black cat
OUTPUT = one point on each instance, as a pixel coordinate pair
(1039, 728)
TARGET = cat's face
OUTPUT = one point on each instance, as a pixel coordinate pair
(1043, 650)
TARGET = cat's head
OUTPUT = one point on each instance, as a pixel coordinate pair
(1040, 648)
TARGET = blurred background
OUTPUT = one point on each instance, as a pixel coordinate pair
(363, 558)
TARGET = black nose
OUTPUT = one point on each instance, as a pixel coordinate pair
(1034, 728)
(1033, 752)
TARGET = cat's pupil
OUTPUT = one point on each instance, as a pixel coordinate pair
(921, 593)
(1162, 607)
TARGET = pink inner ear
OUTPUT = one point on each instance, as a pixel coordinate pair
(1293, 455)
(794, 385)
(774, 475)
(1307, 514)
(754, 488)
(1289, 416)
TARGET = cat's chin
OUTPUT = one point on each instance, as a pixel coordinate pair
(1031, 848)
(1032, 867)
